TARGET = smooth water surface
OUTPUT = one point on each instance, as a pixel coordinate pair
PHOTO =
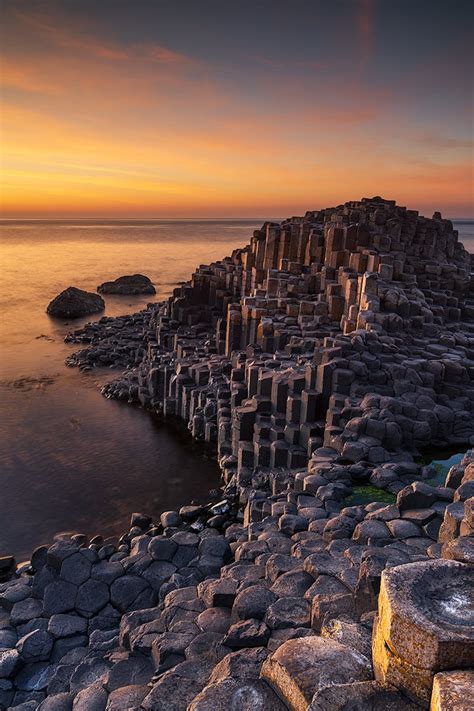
(69, 459)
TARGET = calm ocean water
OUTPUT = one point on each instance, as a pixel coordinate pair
(69, 459)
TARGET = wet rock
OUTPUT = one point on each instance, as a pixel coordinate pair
(73, 303)
(128, 286)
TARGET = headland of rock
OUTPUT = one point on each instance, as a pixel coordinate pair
(320, 359)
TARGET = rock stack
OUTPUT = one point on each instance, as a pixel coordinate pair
(320, 360)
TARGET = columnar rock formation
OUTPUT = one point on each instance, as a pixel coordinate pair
(321, 358)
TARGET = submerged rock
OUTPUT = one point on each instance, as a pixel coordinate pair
(128, 286)
(74, 302)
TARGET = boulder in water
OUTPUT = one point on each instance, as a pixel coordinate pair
(128, 286)
(73, 303)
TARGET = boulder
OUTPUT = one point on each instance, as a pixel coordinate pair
(132, 285)
(73, 303)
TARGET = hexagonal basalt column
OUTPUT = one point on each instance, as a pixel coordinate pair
(302, 667)
(453, 691)
(425, 624)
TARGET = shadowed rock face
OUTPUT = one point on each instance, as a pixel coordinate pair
(128, 286)
(73, 303)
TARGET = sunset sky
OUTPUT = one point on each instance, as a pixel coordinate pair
(234, 108)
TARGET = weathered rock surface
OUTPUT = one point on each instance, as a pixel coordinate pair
(74, 302)
(302, 667)
(453, 691)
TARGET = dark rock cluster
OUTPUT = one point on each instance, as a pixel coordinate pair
(323, 357)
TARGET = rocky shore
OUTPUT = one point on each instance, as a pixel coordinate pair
(320, 360)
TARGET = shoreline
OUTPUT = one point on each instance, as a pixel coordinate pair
(324, 355)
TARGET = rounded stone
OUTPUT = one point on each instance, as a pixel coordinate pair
(74, 302)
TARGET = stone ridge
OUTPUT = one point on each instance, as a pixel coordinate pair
(322, 357)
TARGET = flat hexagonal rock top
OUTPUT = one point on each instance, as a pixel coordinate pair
(361, 696)
(301, 667)
(453, 691)
(426, 613)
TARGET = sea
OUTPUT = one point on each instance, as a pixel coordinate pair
(71, 460)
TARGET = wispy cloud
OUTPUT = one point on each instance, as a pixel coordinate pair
(431, 140)
(83, 38)
(51, 31)
(287, 63)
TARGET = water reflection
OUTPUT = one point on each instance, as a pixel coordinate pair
(69, 458)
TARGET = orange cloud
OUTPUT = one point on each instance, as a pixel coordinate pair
(90, 126)
(60, 36)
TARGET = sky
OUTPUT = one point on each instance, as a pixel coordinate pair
(268, 108)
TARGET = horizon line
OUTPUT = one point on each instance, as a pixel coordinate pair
(176, 217)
